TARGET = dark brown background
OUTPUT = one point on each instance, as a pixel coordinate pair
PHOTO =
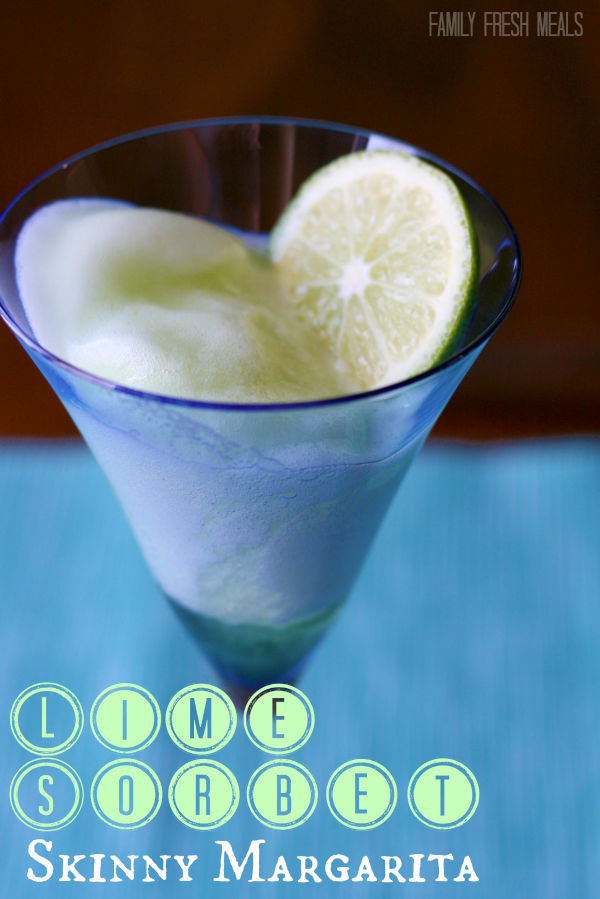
(520, 115)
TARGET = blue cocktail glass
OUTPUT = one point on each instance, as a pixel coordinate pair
(255, 519)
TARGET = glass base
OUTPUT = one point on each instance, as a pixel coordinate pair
(249, 656)
(240, 693)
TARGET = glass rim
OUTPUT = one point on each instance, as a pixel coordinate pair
(164, 399)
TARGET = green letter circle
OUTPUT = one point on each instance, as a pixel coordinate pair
(189, 800)
(126, 794)
(361, 794)
(40, 689)
(279, 719)
(39, 765)
(299, 786)
(443, 794)
(186, 715)
(128, 729)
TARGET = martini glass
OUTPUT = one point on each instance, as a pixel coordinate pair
(254, 519)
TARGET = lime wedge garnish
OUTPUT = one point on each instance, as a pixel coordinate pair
(378, 254)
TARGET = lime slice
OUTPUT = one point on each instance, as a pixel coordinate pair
(378, 254)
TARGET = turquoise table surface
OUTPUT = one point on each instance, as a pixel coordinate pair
(473, 634)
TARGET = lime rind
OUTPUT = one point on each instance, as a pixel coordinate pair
(471, 289)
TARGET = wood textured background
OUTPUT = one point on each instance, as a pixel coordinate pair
(520, 115)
